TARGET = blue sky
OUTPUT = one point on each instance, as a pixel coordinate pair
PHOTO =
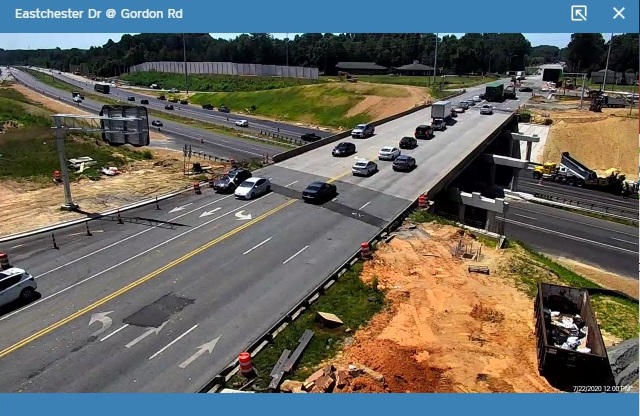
(86, 40)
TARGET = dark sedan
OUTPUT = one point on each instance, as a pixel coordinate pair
(230, 181)
(310, 137)
(131, 98)
(168, 107)
(319, 191)
(344, 149)
(408, 143)
(404, 163)
(526, 89)
(156, 123)
(224, 109)
(207, 107)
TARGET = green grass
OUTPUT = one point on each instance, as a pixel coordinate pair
(324, 105)
(214, 83)
(51, 80)
(353, 301)
(611, 88)
(28, 146)
(452, 82)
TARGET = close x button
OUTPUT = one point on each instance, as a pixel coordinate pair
(618, 13)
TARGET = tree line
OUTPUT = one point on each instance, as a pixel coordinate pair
(470, 53)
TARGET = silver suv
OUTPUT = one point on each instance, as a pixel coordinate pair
(16, 284)
(363, 130)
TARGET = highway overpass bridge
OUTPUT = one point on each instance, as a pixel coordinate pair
(125, 307)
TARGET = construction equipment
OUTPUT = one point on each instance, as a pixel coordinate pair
(347, 76)
(510, 92)
(494, 91)
(574, 173)
(600, 101)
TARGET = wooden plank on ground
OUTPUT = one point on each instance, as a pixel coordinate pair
(281, 362)
(303, 342)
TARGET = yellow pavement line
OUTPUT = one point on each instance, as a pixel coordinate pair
(138, 282)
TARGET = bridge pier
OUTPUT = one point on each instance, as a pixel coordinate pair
(518, 137)
(475, 200)
(515, 164)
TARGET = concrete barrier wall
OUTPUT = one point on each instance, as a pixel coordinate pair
(228, 68)
(306, 148)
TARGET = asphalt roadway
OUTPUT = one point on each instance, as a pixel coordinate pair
(194, 111)
(592, 199)
(214, 144)
(150, 307)
(603, 244)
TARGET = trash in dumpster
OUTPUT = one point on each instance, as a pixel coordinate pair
(567, 331)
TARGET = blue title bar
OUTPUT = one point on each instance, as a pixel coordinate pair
(295, 16)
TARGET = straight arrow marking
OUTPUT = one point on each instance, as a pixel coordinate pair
(146, 334)
(206, 213)
(176, 209)
(208, 347)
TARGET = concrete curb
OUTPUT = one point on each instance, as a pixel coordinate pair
(12, 237)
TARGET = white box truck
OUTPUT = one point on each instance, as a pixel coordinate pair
(440, 113)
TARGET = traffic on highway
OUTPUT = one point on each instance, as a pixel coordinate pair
(163, 299)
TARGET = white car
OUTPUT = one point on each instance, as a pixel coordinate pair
(252, 188)
(364, 167)
(388, 153)
(486, 109)
(477, 98)
(16, 284)
(242, 123)
(77, 99)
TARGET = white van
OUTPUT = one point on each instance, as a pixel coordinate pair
(16, 284)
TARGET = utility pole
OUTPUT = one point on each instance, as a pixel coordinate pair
(435, 62)
(584, 77)
(286, 49)
(606, 67)
(184, 53)
(69, 205)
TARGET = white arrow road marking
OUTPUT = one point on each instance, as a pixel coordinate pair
(115, 332)
(208, 347)
(356, 214)
(146, 334)
(172, 342)
(104, 319)
(256, 246)
(176, 209)
(207, 213)
(240, 216)
(291, 258)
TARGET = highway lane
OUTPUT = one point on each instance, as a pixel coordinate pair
(587, 198)
(237, 281)
(194, 111)
(214, 144)
(603, 244)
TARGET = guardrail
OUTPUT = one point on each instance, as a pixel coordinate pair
(588, 205)
(327, 140)
(294, 313)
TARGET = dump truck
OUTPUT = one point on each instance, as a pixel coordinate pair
(571, 172)
(510, 92)
(571, 350)
(494, 91)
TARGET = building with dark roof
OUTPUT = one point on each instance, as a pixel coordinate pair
(362, 68)
(415, 68)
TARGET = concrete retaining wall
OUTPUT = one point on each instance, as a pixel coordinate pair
(228, 68)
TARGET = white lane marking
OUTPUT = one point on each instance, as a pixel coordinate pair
(19, 245)
(291, 258)
(364, 206)
(568, 236)
(172, 342)
(625, 241)
(212, 142)
(256, 246)
(525, 216)
(574, 221)
(334, 199)
(127, 238)
(115, 332)
(85, 233)
(286, 186)
(32, 304)
(337, 163)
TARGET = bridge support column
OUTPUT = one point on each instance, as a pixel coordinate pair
(514, 181)
(492, 175)
(528, 156)
(491, 219)
(461, 207)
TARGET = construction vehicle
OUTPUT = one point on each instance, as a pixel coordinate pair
(494, 91)
(574, 173)
(347, 76)
(510, 92)
(604, 101)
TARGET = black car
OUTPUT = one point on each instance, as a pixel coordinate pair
(404, 162)
(230, 181)
(526, 89)
(310, 137)
(168, 107)
(408, 143)
(318, 191)
(157, 123)
(482, 96)
(223, 109)
(207, 107)
(162, 97)
(185, 102)
(131, 98)
(144, 101)
(344, 149)
(423, 132)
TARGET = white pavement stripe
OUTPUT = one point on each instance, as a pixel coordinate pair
(286, 186)
(525, 216)
(212, 142)
(635, 243)
(568, 236)
(364, 206)
(291, 258)
(172, 342)
(256, 246)
(2, 318)
(115, 332)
